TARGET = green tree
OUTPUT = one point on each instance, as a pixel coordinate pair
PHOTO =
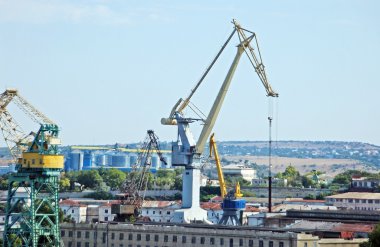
(292, 175)
(345, 177)
(178, 183)
(307, 182)
(73, 177)
(114, 178)
(90, 179)
(64, 183)
(373, 238)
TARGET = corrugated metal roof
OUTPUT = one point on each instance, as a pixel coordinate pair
(356, 195)
(159, 204)
(306, 224)
(285, 207)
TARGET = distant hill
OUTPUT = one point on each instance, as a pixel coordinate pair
(367, 154)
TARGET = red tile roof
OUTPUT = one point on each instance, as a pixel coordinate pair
(354, 227)
(211, 206)
(71, 203)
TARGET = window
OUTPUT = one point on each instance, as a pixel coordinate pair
(121, 236)
(193, 240)
(106, 211)
(70, 233)
(154, 212)
(231, 242)
(250, 243)
(87, 234)
(261, 243)
(113, 236)
(183, 239)
(370, 201)
(167, 212)
(121, 245)
(62, 233)
(40, 161)
(79, 244)
(79, 234)
(139, 237)
(87, 244)
(166, 238)
(156, 238)
(240, 242)
(270, 243)
(357, 200)
(147, 237)
(105, 218)
(222, 241)
(72, 211)
(70, 244)
(212, 241)
(174, 239)
(364, 201)
(203, 240)
(33, 161)
(95, 235)
(281, 244)
(160, 212)
(130, 236)
(104, 237)
(305, 245)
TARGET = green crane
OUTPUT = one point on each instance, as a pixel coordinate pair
(32, 211)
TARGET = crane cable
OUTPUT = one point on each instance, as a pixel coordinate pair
(273, 113)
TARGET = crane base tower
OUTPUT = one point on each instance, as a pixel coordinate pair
(32, 214)
(190, 210)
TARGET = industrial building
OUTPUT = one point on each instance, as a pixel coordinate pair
(355, 200)
(129, 235)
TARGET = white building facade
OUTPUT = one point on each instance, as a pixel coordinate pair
(355, 200)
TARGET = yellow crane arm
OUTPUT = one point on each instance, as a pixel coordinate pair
(222, 184)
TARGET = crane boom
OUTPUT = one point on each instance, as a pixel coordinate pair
(222, 184)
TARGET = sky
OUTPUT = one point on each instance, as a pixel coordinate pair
(108, 70)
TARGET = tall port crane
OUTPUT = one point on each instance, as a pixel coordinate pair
(32, 204)
(186, 151)
(232, 202)
(134, 187)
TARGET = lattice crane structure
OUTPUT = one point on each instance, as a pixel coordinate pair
(32, 211)
(135, 186)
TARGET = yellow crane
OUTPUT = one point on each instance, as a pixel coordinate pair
(232, 204)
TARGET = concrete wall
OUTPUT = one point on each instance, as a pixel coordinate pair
(283, 192)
